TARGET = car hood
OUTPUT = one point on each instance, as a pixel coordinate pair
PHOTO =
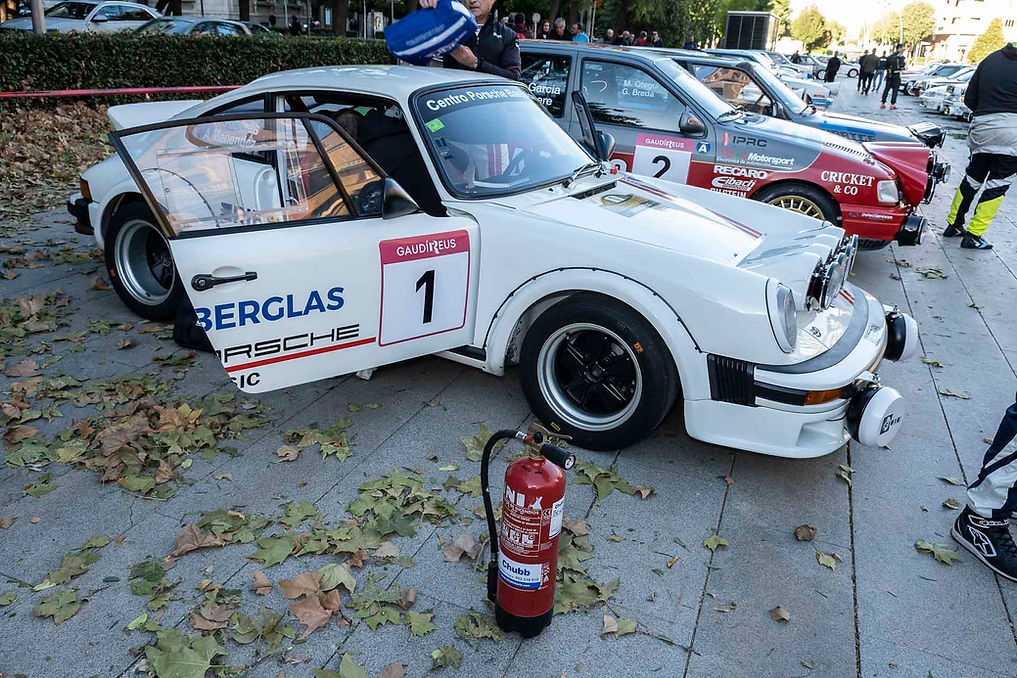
(697, 223)
(859, 128)
(910, 160)
(24, 23)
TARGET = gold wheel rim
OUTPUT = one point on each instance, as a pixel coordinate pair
(798, 204)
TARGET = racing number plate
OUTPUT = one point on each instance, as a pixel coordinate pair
(424, 285)
(663, 157)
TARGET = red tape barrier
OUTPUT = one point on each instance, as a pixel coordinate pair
(112, 92)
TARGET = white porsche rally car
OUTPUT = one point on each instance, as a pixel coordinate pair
(330, 220)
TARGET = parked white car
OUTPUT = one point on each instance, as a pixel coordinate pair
(933, 99)
(88, 15)
(292, 211)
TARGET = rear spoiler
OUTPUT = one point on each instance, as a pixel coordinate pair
(147, 113)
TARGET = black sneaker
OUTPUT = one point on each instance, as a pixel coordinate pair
(989, 539)
(975, 242)
(952, 231)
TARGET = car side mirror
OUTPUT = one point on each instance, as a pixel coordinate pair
(100, 18)
(395, 201)
(606, 144)
(691, 126)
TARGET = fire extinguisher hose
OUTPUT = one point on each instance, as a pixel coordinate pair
(492, 528)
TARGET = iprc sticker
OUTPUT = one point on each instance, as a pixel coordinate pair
(519, 575)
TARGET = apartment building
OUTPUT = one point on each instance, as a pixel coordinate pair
(959, 22)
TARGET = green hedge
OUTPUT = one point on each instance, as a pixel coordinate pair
(106, 61)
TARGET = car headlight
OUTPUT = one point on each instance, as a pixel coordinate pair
(837, 277)
(831, 275)
(783, 317)
(886, 191)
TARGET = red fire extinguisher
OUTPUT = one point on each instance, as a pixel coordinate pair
(524, 556)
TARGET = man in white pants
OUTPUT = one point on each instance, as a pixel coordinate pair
(983, 527)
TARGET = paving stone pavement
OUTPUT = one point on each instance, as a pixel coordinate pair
(886, 610)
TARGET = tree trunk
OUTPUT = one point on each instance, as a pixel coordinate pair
(572, 14)
(245, 10)
(552, 14)
(622, 16)
(340, 12)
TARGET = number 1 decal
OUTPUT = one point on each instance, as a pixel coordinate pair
(424, 285)
(427, 282)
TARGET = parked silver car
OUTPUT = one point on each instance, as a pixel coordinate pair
(194, 25)
(88, 15)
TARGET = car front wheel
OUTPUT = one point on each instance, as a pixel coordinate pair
(139, 263)
(594, 369)
(802, 199)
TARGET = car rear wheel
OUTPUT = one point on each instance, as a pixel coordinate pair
(802, 199)
(139, 263)
(594, 369)
(852, 73)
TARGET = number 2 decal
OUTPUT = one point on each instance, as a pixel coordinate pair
(666, 165)
(424, 286)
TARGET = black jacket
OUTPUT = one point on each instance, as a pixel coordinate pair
(993, 87)
(868, 63)
(496, 48)
(894, 65)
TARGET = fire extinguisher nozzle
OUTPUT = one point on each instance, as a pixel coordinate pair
(558, 456)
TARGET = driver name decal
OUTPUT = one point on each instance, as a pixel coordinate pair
(252, 312)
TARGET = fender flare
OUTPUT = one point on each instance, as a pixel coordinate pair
(689, 360)
(125, 190)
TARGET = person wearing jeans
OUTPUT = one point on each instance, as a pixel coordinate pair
(880, 71)
(983, 527)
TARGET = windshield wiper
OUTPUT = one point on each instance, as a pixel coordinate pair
(595, 167)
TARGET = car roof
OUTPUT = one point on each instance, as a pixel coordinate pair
(397, 82)
(648, 53)
(700, 55)
(195, 19)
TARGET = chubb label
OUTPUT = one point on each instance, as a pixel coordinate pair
(518, 575)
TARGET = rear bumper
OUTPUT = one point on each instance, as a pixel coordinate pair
(77, 206)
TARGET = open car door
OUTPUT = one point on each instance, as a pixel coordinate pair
(275, 224)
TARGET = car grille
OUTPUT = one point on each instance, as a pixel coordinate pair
(731, 380)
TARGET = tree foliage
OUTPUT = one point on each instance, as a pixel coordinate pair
(988, 42)
(678, 21)
(914, 23)
(810, 28)
(782, 9)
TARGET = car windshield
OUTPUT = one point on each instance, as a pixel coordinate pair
(70, 10)
(489, 140)
(164, 26)
(694, 89)
(781, 92)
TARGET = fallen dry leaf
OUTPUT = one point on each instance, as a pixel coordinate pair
(98, 283)
(462, 545)
(23, 368)
(126, 342)
(610, 625)
(6, 522)
(212, 616)
(407, 597)
(387, 550)
(308, 583)
(309, 612)
(192, 538)
(393, 670)
(16, 434)
(805, 533)
(287, 453)
(779, 614)
(260, 584)
(578, 528)
(728, 480)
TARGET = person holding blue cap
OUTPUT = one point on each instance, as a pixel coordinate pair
(494, 49)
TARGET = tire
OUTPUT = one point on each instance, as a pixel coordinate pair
(852, 73)
(139, 264)
(801, 198)
(567, 384)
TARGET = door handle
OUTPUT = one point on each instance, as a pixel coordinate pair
(204, 281)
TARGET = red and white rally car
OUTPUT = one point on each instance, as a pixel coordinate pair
(669, 125)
